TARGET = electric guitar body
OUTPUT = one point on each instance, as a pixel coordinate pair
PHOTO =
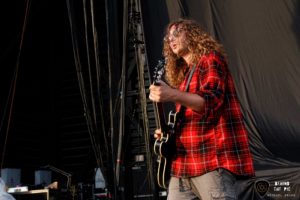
(164, 148)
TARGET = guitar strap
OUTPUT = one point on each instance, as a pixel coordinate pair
(187, 87)
(189, 79)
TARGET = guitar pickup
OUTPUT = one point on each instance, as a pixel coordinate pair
(172, 119)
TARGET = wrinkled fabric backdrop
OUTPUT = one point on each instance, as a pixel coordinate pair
(262, 40)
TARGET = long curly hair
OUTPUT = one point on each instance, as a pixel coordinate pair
(198, 43)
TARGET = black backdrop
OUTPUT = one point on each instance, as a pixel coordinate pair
(262, 40)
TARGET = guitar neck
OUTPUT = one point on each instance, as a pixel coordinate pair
(159, 111)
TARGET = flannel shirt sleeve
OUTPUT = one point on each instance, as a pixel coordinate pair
(212, 83)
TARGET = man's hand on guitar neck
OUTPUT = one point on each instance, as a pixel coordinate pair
(157, 134)
(161, 92)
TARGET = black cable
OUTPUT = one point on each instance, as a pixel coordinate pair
(98, 76)
(107, 11)
(14, 83)
(93, 117)
(81, 80)
(123, 92)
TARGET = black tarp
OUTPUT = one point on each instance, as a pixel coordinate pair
(262, 40)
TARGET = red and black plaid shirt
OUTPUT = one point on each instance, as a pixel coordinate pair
(216, 137)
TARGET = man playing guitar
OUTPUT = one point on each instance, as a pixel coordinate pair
(211, 139)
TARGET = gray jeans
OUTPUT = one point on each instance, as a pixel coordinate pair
(215, 185)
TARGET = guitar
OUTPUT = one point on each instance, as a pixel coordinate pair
(164, 147)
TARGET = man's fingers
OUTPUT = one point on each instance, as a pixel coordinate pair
(157, 133)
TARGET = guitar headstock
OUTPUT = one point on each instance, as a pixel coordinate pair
(159, 71)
